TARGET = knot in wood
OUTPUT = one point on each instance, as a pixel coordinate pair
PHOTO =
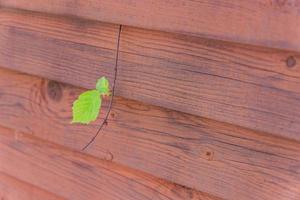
(291, 61)
(54, 90)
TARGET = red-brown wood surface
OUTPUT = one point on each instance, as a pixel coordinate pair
(273, 23)
(252, 87)
(217, 158)
(86, 47)
(228, 120)
(242, 85)
(76, 176)
(14, 189)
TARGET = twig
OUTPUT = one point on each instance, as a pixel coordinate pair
(112, 95)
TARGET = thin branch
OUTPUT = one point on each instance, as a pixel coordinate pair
(112, 95)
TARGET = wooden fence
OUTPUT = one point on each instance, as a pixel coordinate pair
(207, 102)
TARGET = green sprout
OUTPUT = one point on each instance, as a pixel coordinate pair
(87, 107)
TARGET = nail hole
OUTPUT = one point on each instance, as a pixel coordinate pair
(209, 155)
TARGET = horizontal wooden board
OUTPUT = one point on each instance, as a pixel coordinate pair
(217, 158)
(269, 23)
(250, 87)
(257, 88)
(48, 44)
(14, 189)
(76, 176)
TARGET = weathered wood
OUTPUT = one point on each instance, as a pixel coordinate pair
(76, 176)
(14, 189)
(252, 87)
(217, 158)
(64, 49)
(270, 23)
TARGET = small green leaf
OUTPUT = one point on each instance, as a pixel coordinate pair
(103, 86)
(87, 107)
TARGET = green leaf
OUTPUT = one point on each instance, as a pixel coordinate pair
(103, 86)
(87, 107)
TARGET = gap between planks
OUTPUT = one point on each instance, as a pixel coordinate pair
(80, 176)
(12, 188)
(213, 157)
(252, 87)
(270, 23)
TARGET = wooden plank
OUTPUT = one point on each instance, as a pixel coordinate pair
(48, 44)
(75, 176)
(269, 23)
(252, 87)
(213, 157)
(14, 189)
(256, 88)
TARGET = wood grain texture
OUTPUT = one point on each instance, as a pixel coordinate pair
(44, 45)
(76, 176)
(257, 88)
(216, 158)
(272, 23)
(14, 189)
